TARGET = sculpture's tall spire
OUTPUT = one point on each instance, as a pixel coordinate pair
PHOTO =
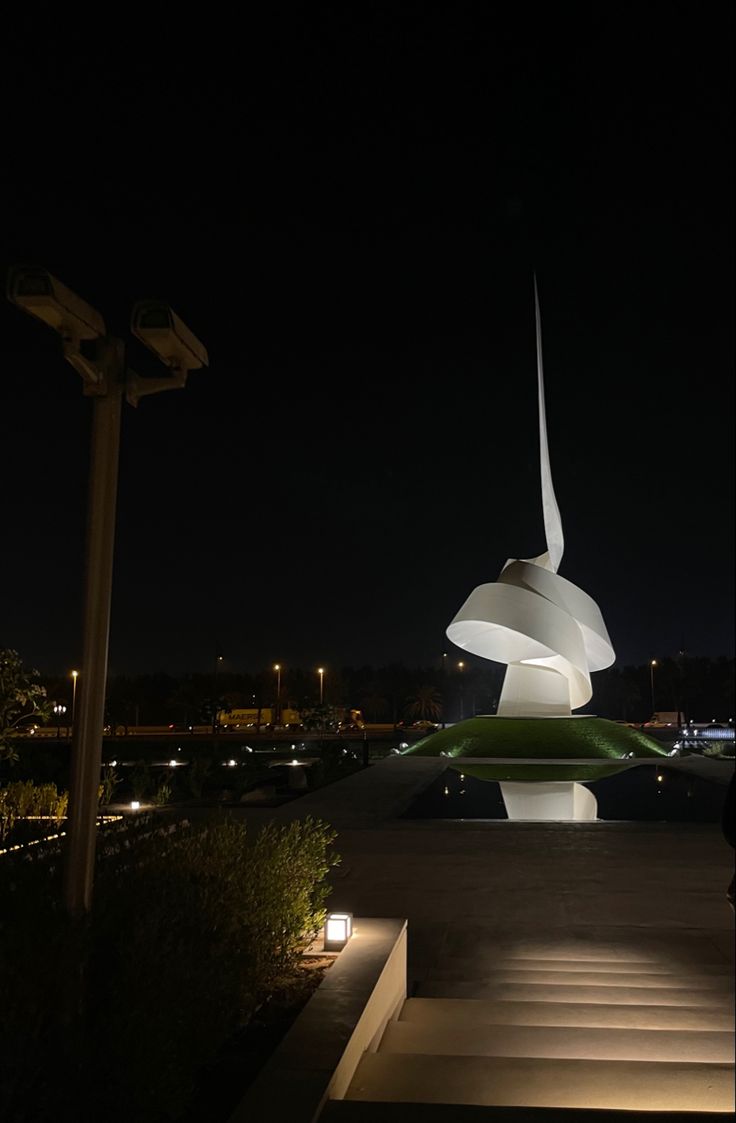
(552, 521)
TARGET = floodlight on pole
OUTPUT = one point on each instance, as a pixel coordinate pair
(59, 710)
(100, 360)
(321, 673)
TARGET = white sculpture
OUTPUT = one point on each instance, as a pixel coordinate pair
(550, 633)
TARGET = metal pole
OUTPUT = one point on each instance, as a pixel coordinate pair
(651, 673)
(89, 723)
(277, 723)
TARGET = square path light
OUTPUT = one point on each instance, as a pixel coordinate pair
(338, 930)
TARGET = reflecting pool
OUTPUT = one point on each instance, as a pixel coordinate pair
(646, 793)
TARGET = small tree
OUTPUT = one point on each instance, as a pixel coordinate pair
(22, 700)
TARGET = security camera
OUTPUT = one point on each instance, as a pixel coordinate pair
(37, 291)
(159, 328)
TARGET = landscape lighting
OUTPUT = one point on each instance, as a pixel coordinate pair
(338, 930)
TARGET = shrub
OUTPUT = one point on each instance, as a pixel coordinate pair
(110, 781)
(23, 798)
(190, 931)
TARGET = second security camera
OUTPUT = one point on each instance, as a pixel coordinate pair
(160, 329)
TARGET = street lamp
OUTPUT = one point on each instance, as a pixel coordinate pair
(59, 710)
(652, 665)
(277, 668)
(100, 359)
(218, 659)
(75, 676)
(321, 673)
(460, 668)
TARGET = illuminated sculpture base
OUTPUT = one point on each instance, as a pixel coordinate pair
(553, 801)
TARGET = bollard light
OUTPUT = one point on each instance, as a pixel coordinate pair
(338, 930)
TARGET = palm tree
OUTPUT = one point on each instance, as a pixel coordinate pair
(425, 703)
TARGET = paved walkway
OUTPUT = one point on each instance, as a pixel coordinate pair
(464, 884)
(561, 921)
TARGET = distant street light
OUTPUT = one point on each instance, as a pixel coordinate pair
(218, 659)
(652, 665)
(321, 673)
(75, 676)
(59, 710)
(461, 667)
(101, 361)
(277, 715)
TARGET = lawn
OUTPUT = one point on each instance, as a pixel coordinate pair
(538, 739)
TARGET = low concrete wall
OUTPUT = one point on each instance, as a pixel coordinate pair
(345, 1017)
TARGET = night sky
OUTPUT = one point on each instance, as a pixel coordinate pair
(347, 205)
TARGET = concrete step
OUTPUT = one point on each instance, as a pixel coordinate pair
(366, 1111)
(488, 964)
(469, 1012)
(553, 992)
(671, 950)
(569, 1043)
(535, 1082)
(721, 981)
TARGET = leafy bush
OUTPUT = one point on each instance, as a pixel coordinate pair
(162, 795)
(191, 930)
(23, 798)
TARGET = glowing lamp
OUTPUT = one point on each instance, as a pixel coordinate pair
(135, 805)
(338, 930)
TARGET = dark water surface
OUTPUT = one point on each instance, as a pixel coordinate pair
(646, 793)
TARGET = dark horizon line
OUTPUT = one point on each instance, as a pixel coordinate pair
(400, 664)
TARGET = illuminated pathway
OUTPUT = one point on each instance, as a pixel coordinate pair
(550, 964)
(561, 1023)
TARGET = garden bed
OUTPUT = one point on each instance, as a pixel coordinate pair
(193, 955)
(221, 1084)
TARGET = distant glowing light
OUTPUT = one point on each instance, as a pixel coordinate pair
(135, 805)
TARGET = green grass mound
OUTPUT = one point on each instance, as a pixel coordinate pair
(539, 739)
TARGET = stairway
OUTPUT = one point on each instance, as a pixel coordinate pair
(557, 1027)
